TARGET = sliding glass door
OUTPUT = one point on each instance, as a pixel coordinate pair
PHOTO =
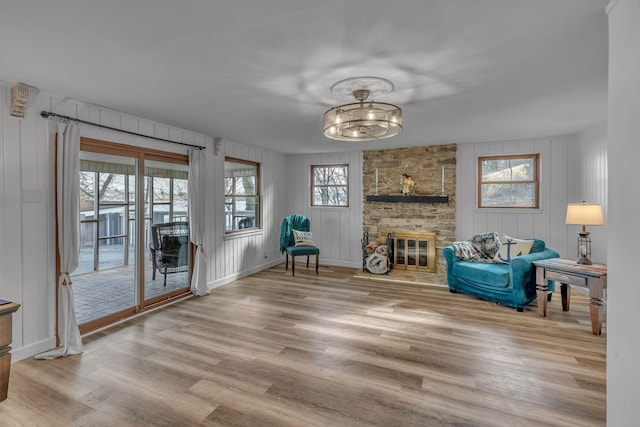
(166, 229)
(127, 194)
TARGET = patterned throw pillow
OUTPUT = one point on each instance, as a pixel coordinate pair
(512, 247)
(303, 238)
(487, 244)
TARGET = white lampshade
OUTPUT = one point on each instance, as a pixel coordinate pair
(584, 214)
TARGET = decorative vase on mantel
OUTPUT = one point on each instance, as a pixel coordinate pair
(407, 183)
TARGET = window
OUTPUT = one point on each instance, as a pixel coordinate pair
(241, 195)
(508, 181)
(330, 185)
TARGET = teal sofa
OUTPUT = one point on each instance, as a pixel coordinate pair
(512, 285)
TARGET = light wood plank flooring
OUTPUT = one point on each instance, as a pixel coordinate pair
(326, 350)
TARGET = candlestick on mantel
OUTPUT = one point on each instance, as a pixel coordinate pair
(376, 181)
(442, 186)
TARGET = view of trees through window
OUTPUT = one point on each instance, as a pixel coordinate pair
(108, 207)
(508, 181)
(242, 198)
(330, 185)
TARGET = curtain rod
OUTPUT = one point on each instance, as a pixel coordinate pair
(47, 114)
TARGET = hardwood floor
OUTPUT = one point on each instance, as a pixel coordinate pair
(325, 350)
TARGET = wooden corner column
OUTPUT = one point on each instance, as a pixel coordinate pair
(6, 311)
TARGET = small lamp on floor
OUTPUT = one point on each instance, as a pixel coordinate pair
(584, 214)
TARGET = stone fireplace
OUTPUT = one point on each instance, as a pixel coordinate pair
(431, 168)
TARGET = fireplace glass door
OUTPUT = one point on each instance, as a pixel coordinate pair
(415, 251)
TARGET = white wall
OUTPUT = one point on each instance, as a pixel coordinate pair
(623, 338)
(26, 227)
(546, 223)
(587, 180)
(238, 255)
(336, 231)
(27, 247)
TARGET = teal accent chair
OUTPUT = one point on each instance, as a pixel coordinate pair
(288, 244)
(512, 284)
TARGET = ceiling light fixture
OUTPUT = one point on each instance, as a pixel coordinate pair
(363, 120)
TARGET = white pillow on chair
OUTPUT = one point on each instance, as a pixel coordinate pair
(512, 247)
(303, 238)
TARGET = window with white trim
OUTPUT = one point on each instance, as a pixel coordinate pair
(241, 195)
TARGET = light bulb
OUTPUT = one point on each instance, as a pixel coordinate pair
(371, 115)
(337, 120)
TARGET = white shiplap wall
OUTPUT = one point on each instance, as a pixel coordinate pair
(26, 226)
(546, 223)
(336, 231)
(27, 247)
(588, 181)
(238, 255)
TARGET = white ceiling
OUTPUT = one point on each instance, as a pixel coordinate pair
(259, 71)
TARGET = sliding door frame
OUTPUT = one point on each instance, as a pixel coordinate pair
(140, 154)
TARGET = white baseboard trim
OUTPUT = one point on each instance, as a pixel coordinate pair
(234, 277)
(21, 353)
(323, 262)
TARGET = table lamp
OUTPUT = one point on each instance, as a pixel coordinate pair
(584, 214)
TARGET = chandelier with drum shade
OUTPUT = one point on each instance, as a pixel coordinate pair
(366, 119)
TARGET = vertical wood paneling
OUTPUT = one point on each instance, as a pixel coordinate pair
(546, 223)
(3, 179)
(12, 241)
(465, 190)
(238, 255)
(336, 231)
(589, 183)
(216, 188)
(159, 131)
(130, 124)
(552, 220)
(4, 219)
(146, 127)
(35, 175)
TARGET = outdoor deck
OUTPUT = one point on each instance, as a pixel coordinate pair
(98, 294)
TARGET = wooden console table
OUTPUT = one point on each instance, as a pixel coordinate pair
(6, 311)
(570, 273)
